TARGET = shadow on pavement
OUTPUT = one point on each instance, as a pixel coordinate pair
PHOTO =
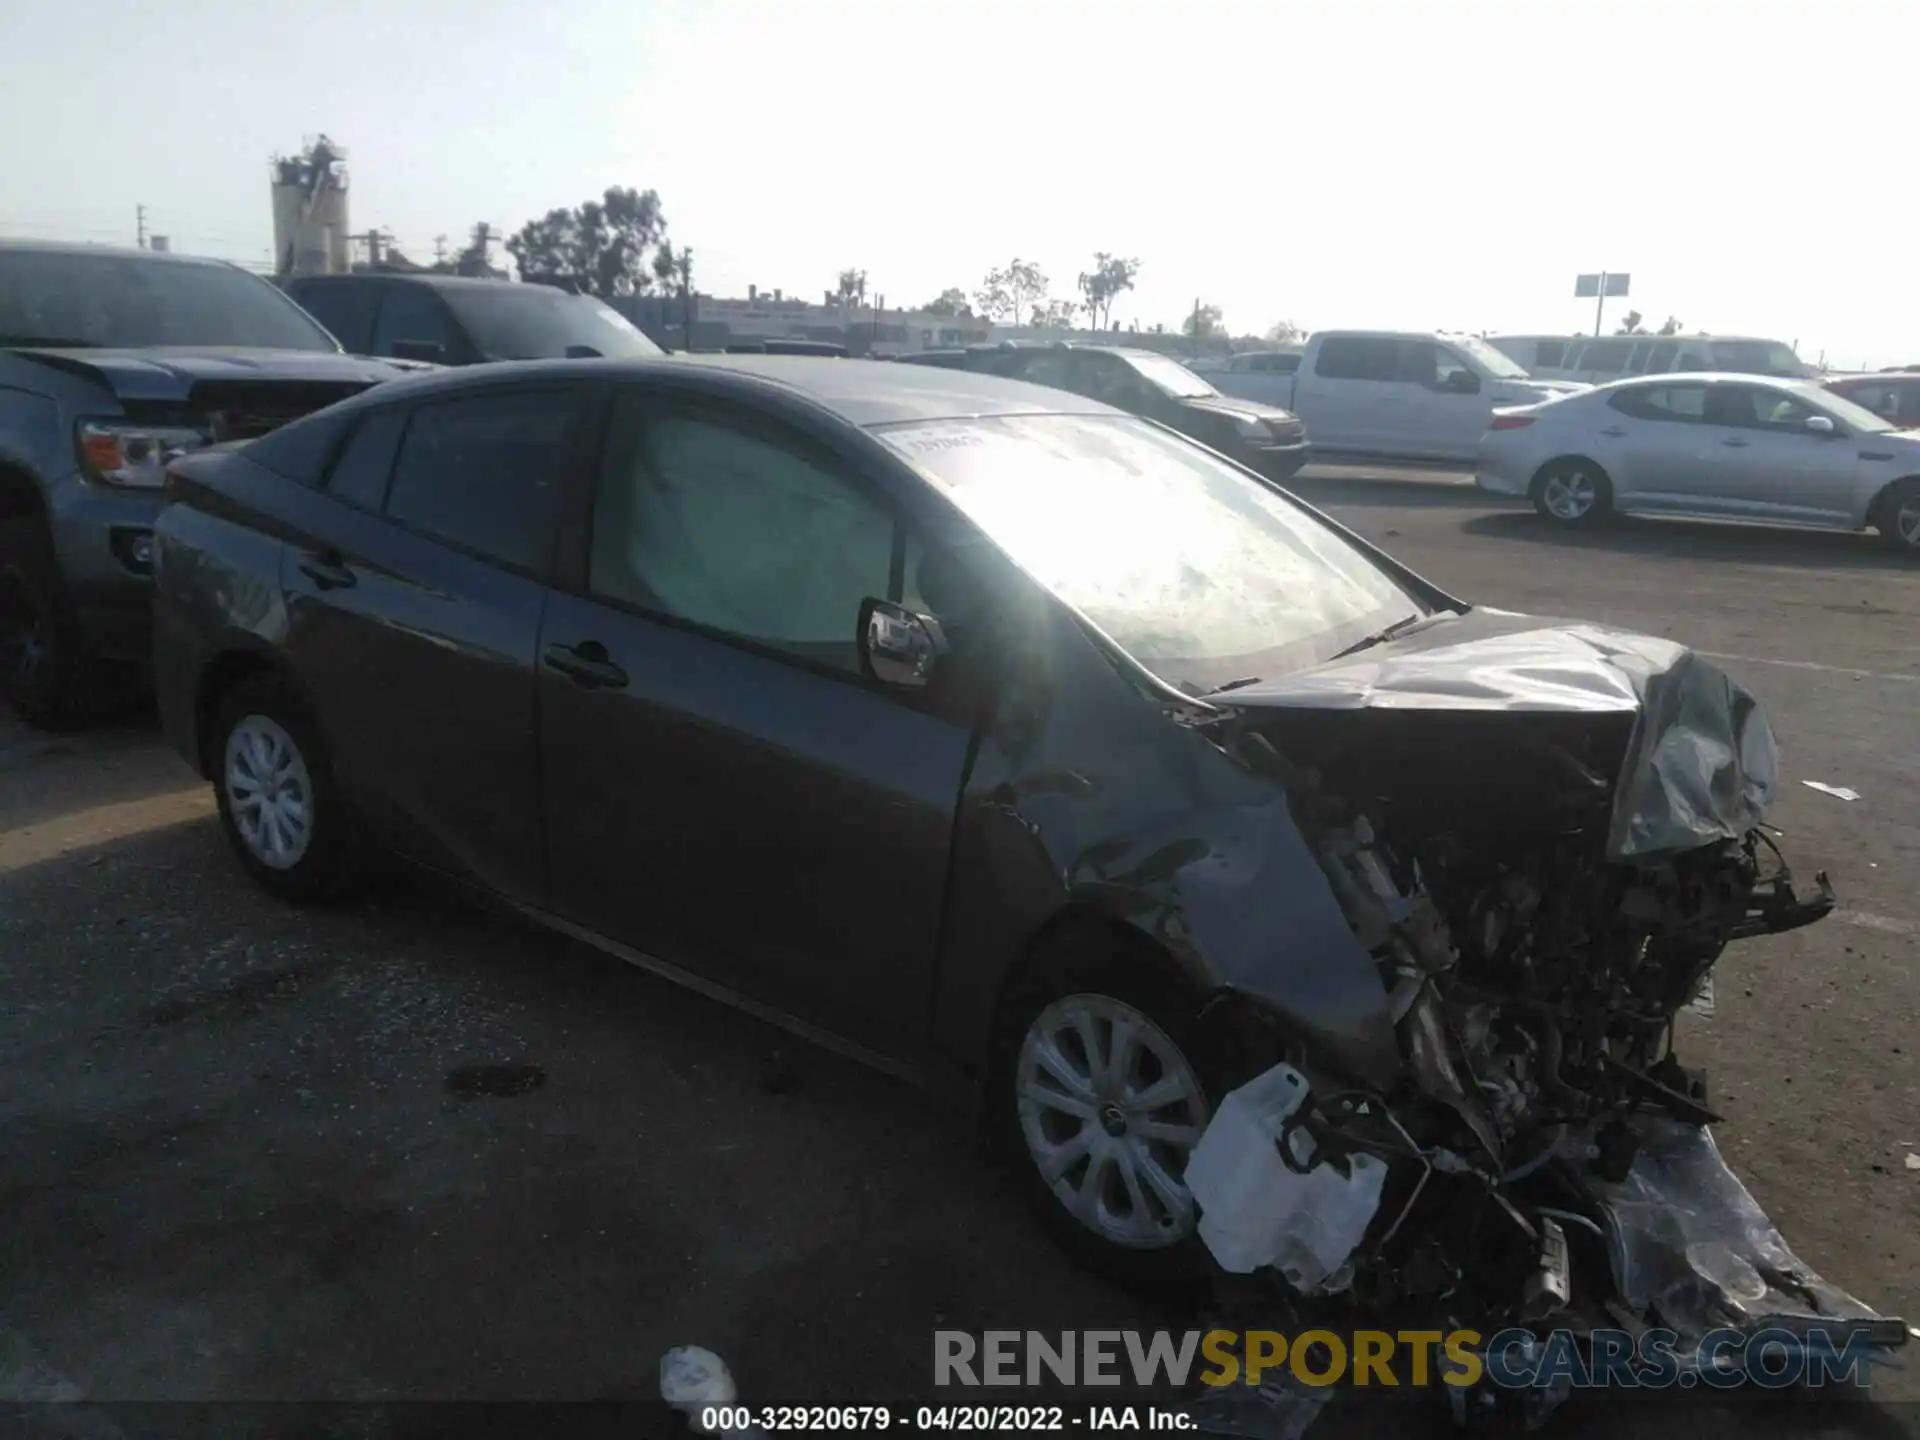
(1705, 540)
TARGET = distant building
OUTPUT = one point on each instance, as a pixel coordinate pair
(310, 226)
(773, 315)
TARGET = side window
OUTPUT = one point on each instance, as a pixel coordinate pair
(1549, 354)
(300, 450)
(1047, 367)
(1342, 358)
(742, 533)
(1605, 357)
(359, 476)
(1662, 402)
(412, 313)
(1107, 379)
(1658, 357)
(1751, 408)
(345, 307)
(1882, 400)
(483, 473)
(1365, 357)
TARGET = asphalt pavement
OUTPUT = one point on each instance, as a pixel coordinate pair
(414, 1151)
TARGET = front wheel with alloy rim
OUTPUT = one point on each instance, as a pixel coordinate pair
(1899, 513)
(1572, 492)
(278, 802)
(1102, 1098)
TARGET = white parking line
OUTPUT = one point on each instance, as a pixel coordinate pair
(1812, 665)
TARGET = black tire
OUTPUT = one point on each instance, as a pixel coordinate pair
(1898, 508)
(44, 673)
(325, 865)
(1091, 962)
(1571, 479)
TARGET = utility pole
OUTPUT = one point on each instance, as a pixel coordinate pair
(1196, 326)
(686, 296)
(439, 249)
(140, 226)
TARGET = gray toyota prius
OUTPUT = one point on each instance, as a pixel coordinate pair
(1011, 741)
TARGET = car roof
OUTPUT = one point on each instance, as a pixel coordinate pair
(861, 392)
(438, 282)
(1711, 377)
(115, 252)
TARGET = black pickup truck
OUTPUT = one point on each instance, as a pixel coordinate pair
(113, 363)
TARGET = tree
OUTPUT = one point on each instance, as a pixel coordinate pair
(1285, 332)
(602, 245)
(1203, 322)
(1632, 324)
(1111, 274)
(852, 289)
(952, 305)
(1672, 327)
(1012, 291)
(1054, 315)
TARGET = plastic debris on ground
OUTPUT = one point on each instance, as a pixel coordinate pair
(1839, 792)
(693, 1380)
(1912, 1161)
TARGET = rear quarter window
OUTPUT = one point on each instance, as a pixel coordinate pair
(300, 451)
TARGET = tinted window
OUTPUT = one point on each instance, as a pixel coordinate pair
(483, 472)
(537, 322)
(1883, 400)
(739, 532)
(1044, 367)
(53, 297)
(412, 312)
(359, 476)
(1550, 353)
(344, 307)
(1606, 357)
(1662, 402)
(1657, 359)
(1108, 379)
(1355, 357)
(300, 450)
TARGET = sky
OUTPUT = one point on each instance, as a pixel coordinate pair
(1344, 163)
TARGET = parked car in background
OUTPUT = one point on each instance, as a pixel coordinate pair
(456, 320)
(1065, 762)
(1599, 359)
(111, 363)
(1263, 375)
(1893, 396)
(1143, 382)
(787, 347)
(1418, 397)
(1734, 447)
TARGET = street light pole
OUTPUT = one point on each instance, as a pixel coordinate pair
(1600, 303)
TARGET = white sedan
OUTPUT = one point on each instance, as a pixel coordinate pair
(1737, 447)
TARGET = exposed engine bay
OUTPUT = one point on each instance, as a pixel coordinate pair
(1545, 877)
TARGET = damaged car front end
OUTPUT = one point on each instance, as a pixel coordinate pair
(1544, 834)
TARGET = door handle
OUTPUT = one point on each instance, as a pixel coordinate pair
(1612, 431)
(327, 570)
(586, 664)
(1734, 442)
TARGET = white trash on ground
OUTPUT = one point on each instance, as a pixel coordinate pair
(1255, 1209)
(693, 1380)
(1839, 792)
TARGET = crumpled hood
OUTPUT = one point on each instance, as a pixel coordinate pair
(170, 373)
(1235, 408)
(1701, 766)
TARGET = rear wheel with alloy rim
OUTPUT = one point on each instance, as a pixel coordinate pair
(1900, 516)
(278, 802)
(1100, 1093)
(1572, 492)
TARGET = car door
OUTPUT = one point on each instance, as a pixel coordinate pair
(414, 581)
(1653, 440)
(415, 324)
(1447, 413)
(1773, 465)
(724, 790)
(1359, 396)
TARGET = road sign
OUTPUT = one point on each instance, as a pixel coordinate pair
(1591, 287)
(1617, 284)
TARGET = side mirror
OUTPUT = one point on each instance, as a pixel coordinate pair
(1460, 382)
(897, 646)
(431, 350)
(1821, 425)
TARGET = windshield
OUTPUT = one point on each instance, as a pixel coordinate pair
(1496, 363)
(1171, 376)
(537, 322)
(1201, 573)
(1854, 416)
(1757, 357)
(59, 298)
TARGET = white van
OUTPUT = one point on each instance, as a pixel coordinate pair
(1263, 375)
(1596, 359)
